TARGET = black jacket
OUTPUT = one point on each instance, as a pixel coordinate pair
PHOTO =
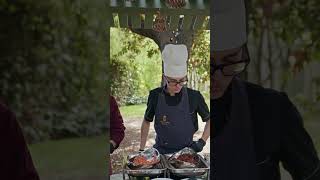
(279, 135)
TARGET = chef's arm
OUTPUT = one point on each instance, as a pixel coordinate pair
(144, 133)
(206, 132)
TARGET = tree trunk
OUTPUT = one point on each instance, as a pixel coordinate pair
(285, 68)
(259, 56)
(269, 57)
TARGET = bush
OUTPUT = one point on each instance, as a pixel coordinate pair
(134, 100)
(53, 66)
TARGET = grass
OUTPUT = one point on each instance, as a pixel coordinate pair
(76, 158)
(137, 111)
(69, 159)
(133, 111)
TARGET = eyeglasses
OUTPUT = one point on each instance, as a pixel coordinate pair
(175, 82)
(230, 69)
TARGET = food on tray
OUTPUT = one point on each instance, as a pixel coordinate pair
(185, 158)
(190, 158)
(144, 160)
(140, 160)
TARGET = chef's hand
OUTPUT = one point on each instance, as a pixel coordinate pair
(197, 146)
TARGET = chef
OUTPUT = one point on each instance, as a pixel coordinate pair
(254, 128)
(174, 107)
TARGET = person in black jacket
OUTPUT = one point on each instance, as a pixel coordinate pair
(174, 108)
(255, 128)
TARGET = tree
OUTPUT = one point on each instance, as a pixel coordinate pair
(282, 32)
(52, 66)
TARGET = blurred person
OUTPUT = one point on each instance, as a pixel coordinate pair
(15, 159)
(117, 128)
(174, 108)
(255, 128)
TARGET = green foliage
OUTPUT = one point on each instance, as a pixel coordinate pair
(53, 66)
(199, 62)
(135, 66)
(281, 31)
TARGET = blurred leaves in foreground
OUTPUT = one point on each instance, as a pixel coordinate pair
(53, 66)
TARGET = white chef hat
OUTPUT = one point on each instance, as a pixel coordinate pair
(175, 58)
(228, 24)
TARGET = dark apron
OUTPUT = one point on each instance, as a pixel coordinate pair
(234, 154)
(173, 124)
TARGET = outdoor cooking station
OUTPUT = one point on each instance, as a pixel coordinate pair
(140, 16)
(165, 168)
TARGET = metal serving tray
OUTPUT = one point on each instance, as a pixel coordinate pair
(202, 169)
(158, 169)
